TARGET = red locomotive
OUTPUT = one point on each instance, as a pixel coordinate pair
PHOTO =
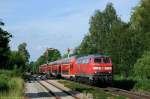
(91, 69)
(94, 68)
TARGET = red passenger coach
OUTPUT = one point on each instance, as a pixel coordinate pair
(43, 68)
(55, 68)
(94, 68)
(68, 68)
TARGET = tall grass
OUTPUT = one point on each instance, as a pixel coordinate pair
(11, 85)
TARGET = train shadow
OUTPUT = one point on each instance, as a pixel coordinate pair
(37, 95)
(124, 84)
(48, 94)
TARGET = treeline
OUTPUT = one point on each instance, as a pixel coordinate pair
(49, 55)
(126, 42)
(12, 59)
(13, 65)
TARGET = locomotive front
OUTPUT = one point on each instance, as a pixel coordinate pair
(102, 69)
(94, 69)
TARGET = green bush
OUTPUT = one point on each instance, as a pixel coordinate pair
(3, 82)
(142, 67)
(142, 85)
(3, 85)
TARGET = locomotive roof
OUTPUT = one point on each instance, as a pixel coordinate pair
(93, 56)
(64, 60)
(67, 60)
(43, 65)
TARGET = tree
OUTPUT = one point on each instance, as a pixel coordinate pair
(32, 67)
(53, 55)
(17, 60)
(142, 66)
(20, 58)
(104, 35)
(140, 18)
(48, 56)
(4, 47)
(23, 50)
(110, 34)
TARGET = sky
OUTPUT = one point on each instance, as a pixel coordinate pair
(59, 24)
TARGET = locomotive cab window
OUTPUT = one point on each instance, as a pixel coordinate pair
(97, 60)
(106, 60)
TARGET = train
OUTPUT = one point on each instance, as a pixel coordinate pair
(91, 69)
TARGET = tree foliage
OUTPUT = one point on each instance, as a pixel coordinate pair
(125, 42)
(16, 60)
(142, 67)
(23, 50)
(140, 22)
(4, 47)
(19, 59)
(53, 55)
(141, 17)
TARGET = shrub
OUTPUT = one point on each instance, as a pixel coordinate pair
(10, 84)
(142, 67)
(3, 82)
(142, 85)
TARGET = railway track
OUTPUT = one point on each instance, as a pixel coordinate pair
(49, 90)
(118, 91)
(56, 91)
(129, 94)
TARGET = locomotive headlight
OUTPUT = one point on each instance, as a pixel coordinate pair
(108, 68)
(97, 68)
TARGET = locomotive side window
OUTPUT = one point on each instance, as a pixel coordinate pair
(85, 61)
(97, 60)
(79, 61)
(106, 60)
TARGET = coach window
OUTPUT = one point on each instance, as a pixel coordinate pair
(55, 71)
(79, 61)
(86, 61)
(83, 60)
(65, 72)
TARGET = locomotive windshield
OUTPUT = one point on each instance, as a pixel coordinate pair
(106, 60)
(102, 60)
(97, 60)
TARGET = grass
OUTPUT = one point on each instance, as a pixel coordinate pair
(96, 93)
(11, 85)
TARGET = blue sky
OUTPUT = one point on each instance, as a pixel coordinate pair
(58, 24)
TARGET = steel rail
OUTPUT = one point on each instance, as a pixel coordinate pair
(69, 93)
(118, 91)
(50, 91)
